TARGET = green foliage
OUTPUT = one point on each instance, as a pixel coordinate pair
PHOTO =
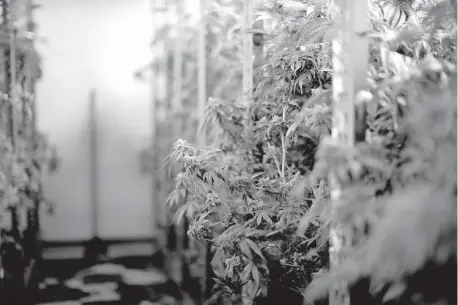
(23, 162)
(416, 223)
(410, 158)
(260, 195)
(240, 196)
(22, 170)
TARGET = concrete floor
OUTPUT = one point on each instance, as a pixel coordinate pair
(108, 283)
(128, 277)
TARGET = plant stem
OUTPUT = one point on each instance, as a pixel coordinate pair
(283, 157)
(283, 147)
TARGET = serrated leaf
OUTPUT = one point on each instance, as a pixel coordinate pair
(246, 249)
(246, 273)
(292, 128)
(314, 222)
(267, 218)
(251, 289)
(259, 220)
(255, 248)
(256, 275)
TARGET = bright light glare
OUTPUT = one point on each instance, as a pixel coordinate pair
(124, 48)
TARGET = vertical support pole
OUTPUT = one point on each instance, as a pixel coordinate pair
(202, 72)
(25, 83)
(178, 67)
(157, 90)
(34, 137)
(11, 73)
(16, 266)
(5, 125)
(258, 45)
(162, 95)
(202, 137)
(177, 105)
(11, 89)
(162, 88)
(156, 229)
(177, 110)
(94, 178)
(247, 49)
(350, 66)
(258, 55)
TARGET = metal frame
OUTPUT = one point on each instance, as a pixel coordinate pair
(350, 66)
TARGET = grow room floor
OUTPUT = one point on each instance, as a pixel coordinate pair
(106, 283)
(127, 278)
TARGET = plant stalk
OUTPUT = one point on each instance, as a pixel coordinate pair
(283, 147)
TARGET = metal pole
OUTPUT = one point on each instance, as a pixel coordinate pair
(258, 45)
(202, 137)
(161, 91)
(178, 68)
(176, 236)
(202, 75)
(11, 89)
(25, 83)
(154, 147)
(17, 267)
(94, 178)
(34, 135)
(12, 74)
(177, 105)
(247, 49)
(350, 66)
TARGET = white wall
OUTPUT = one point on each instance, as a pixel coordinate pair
(95, 44)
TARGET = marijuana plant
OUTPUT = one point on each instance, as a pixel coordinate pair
(260, 195)
(240, 196)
